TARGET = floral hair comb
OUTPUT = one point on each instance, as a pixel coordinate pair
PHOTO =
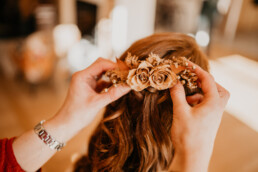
(153, 73)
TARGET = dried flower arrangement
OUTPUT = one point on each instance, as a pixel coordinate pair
(154, 73)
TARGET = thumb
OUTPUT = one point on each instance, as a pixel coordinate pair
(194, 99)
(114, 93)
(177, 94)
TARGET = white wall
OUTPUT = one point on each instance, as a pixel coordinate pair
(140, 18)
(138, 22)
(67, 11)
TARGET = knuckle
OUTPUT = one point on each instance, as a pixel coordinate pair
(75, 76)
(100, 59)
(115, 93)
(112, 95)
(176, 93)
(211, 76)
(207, 76)
(227, 94)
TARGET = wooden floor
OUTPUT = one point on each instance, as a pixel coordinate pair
(22, 106)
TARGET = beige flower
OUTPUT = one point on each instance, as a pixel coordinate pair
(162, 77)
(138, 79)
(132, 61)
(154, 59)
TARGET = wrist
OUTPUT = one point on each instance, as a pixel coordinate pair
(65, 125)
(61, 127)
(192, 161)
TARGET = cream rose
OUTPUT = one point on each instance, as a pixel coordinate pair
(138, 79)
(162, 77)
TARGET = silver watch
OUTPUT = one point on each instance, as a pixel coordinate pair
(47, 138)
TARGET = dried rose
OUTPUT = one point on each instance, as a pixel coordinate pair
(138, 79)
(162, 77)
(132, 61)
(154, 59)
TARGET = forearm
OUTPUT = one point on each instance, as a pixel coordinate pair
(31, 152)
(80, 109)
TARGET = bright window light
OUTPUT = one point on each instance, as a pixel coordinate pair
(202, 38)
(223, 6)
(81, 55)
(119, 28)
(239, 76)
(65, 36)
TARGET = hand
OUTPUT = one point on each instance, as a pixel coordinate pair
(194, 128)
(80, 108)
(83, 102)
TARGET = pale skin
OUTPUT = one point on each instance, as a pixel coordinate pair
(194, 128)
(193, 131)
(80, 108)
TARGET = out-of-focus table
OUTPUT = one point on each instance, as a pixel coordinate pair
(236, 146)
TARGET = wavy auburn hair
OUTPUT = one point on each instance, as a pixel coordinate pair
(135, 132)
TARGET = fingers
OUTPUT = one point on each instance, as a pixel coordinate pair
(99, 66)
(101, 84)
(90, 74)
(207, 81)
(223, 93)
(177, 94)
(194, 99)
(113, 94)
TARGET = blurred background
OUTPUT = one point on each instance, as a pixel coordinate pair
(43, 42)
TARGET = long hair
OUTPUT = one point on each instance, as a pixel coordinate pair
(135, 132)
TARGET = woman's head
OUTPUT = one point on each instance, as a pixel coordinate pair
(135, 132)
(167, 45)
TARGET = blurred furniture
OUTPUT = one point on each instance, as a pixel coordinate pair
(36, 59)
(178, 15)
